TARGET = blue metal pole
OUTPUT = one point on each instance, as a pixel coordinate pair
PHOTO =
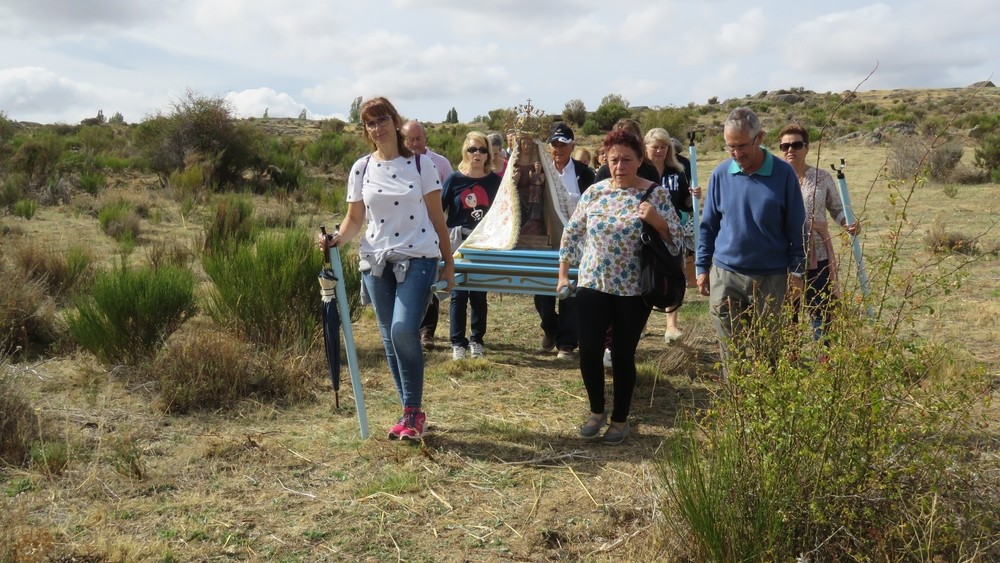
(352, 354)
(845, 198)
(693, 156)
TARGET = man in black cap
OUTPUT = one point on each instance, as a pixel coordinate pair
(560, 328)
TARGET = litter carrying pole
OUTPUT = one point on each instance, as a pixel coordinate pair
(352, 354)
(845, 198)
(693, 157)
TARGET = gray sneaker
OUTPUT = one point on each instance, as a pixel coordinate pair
(592, 428)
(476, 349)
(615, 434)
(458, 352)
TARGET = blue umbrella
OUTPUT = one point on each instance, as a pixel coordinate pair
(337, 317)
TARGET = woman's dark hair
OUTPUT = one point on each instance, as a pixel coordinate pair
(626, 138)
(379, 107)
(795, 129)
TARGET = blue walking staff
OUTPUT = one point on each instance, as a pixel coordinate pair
(337, 317)
(696, 215)
(845, 198)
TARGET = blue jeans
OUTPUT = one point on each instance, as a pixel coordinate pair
(399, 308)
(460, 300)
(561, 325)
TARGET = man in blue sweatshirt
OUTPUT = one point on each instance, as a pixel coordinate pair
(751, 245)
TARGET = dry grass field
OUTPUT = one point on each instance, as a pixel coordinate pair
(501, 475)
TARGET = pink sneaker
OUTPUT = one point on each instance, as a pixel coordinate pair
(397, 430)
(415, 422)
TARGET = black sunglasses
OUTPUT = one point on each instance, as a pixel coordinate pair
(797, 145)
(480, 150)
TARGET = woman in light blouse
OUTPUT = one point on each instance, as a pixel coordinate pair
(819, 194)
(602, 239)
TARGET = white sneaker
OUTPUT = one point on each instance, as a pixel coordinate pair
(457, 352)
(476, 349)
(607, 358)
(671, 335)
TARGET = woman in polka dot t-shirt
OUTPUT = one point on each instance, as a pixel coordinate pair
(399, 198)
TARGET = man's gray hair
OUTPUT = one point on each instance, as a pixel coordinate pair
(496, 140)
(743, 119)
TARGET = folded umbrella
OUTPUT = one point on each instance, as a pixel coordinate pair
(337, 317)
(331, 327)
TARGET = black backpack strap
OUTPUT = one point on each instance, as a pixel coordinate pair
(645, 196)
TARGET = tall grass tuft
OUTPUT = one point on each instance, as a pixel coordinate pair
(212, 368)
(62, 272)
(268, 291)
(25, 208)
(233, 224)
(28, 321)
(18, 422)
(119, 220)
(128, 311)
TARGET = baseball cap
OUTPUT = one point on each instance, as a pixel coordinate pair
(561, 133)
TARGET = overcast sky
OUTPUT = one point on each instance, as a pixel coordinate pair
(63, 60)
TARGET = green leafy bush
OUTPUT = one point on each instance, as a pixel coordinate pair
(203, 126)
(987, 155)
(267, 291)
(335, 149)
(36, 156)
(128, 312)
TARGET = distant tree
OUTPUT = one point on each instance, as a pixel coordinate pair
(354, 116)
(615, 99)
(575, 112)
(117, 119)
(302, 115)
(609, 113)
(499, 118)
(452, 116)
(265, 112)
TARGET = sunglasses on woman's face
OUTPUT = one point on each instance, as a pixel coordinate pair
(796, 146)
(480, 150)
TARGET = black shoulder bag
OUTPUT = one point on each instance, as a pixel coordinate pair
(661, 274)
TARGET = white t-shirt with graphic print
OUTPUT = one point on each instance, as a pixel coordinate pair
(393, 193)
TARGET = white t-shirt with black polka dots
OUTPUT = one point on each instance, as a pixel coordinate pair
(393, 193)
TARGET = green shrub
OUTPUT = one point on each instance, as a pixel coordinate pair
(852, 447)
(12, 190)
(268, 291)
(280, 166)
(233, 224)
(127, 312)
(111, 162)
(590, 127)
(92, 182)
(119, 220)
(335, 149)
(202, 126)
(25, 208)
(36, 156)
(987, 156)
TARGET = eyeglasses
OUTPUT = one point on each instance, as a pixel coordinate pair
(744, 146)
(796, 146)
(374, 124)
(480, 150)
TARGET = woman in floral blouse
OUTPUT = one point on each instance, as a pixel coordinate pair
(602, 238)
